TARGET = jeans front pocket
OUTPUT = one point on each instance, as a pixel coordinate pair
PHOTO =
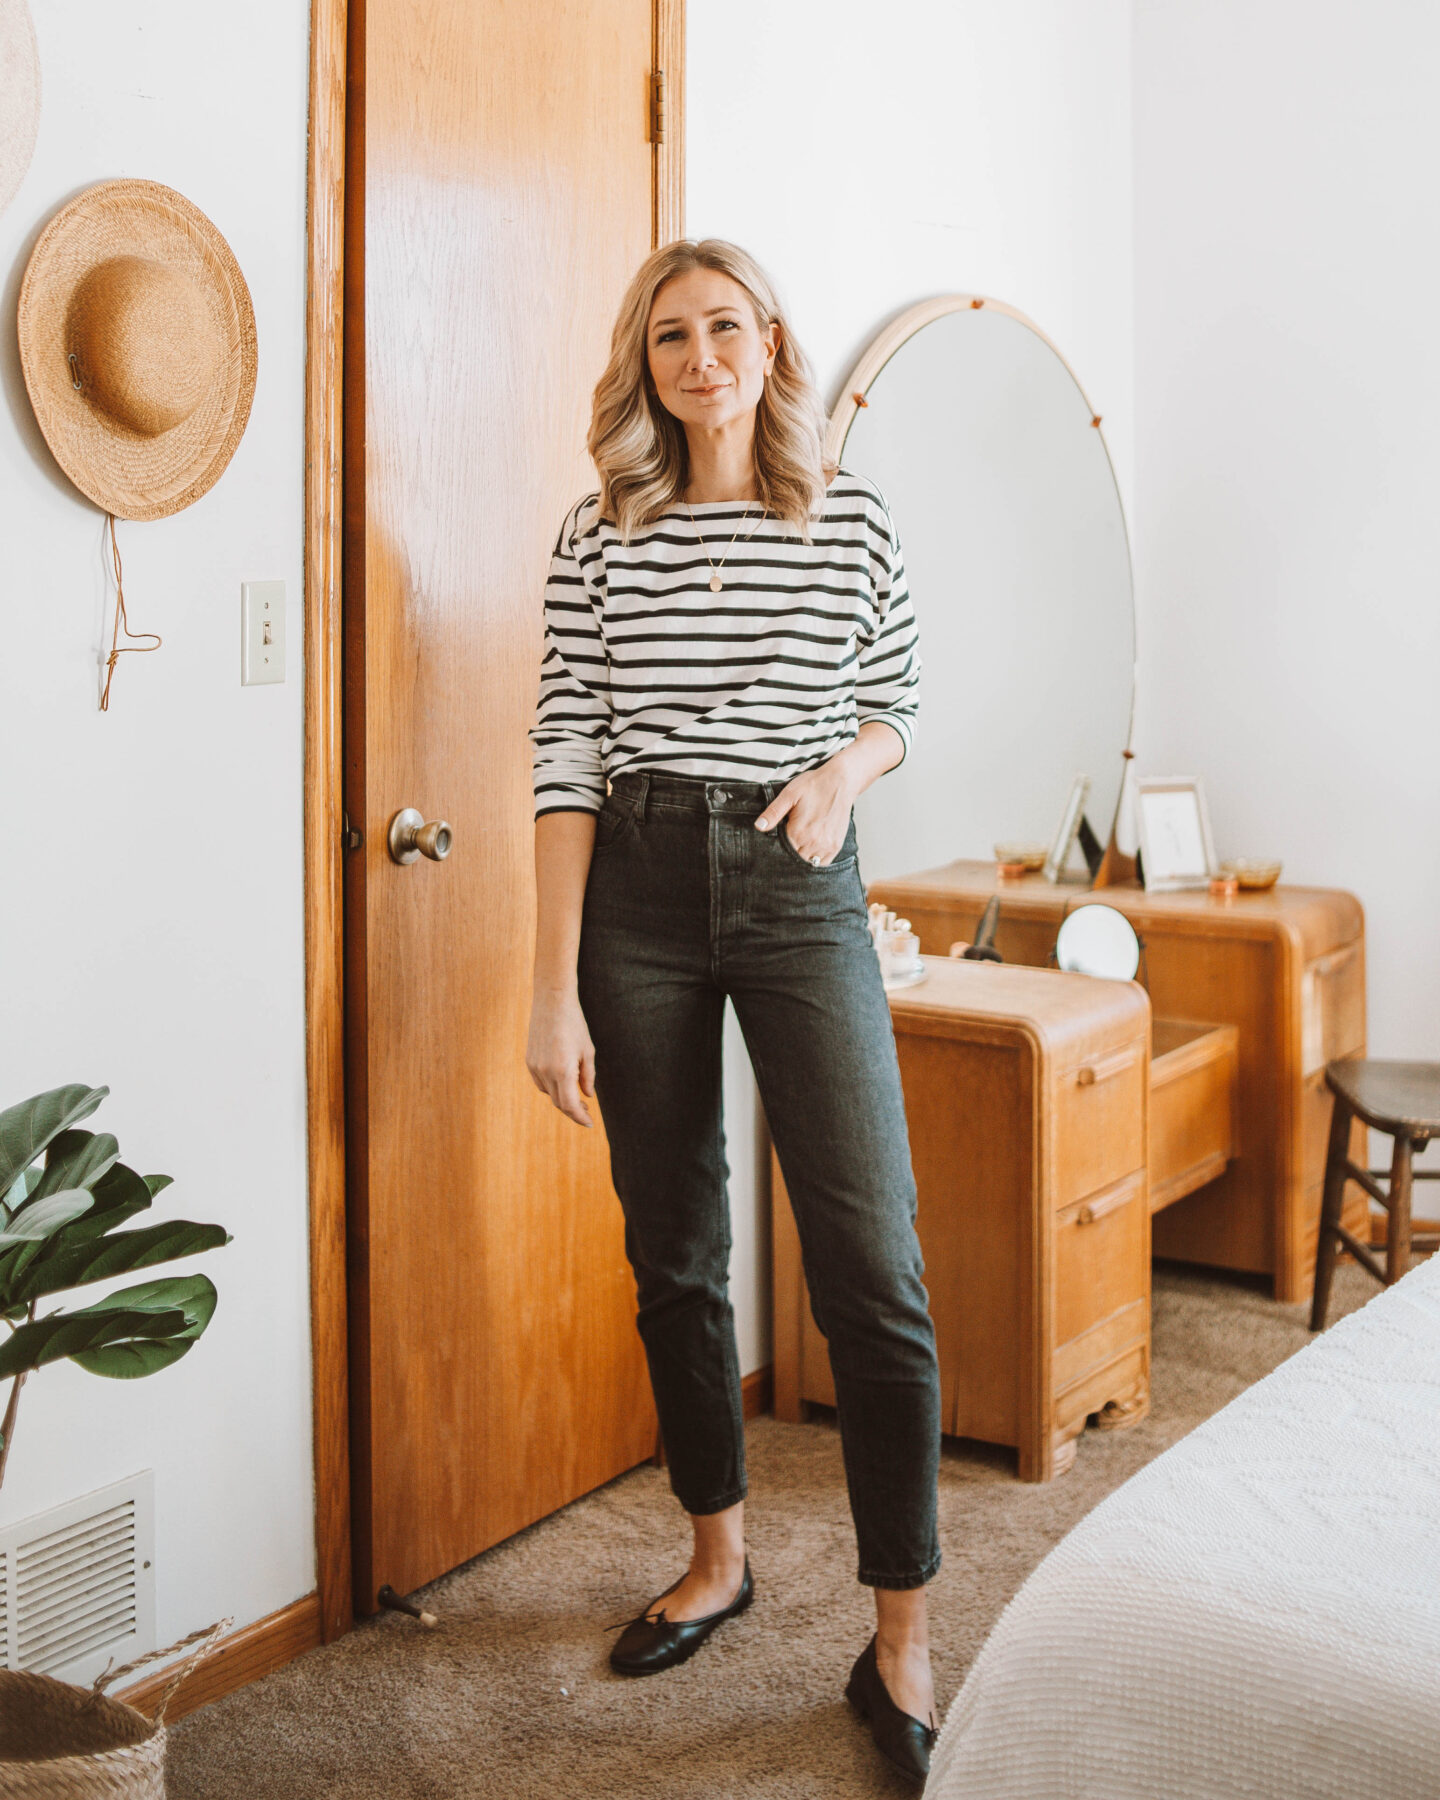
(845, 857)
(613, 825)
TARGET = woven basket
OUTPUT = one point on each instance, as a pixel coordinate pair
(59, 1742)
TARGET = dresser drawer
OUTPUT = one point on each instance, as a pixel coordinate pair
(1128, 1374)
(1193, 1073)
(1102, 1257)
(1099, 1121)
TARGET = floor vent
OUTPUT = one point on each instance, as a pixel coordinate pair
(77, 1583)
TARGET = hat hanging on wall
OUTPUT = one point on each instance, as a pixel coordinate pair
(19, 96)
(137, 339)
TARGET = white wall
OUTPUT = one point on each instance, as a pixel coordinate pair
(151, 934)
(870, 156)
(1287, 248)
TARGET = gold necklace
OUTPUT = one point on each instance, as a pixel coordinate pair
(715, 582)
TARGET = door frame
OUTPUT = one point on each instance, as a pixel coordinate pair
(323, 847)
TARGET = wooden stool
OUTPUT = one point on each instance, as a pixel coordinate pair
(1402, 1099)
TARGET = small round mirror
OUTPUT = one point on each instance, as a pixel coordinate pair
(1098, 940)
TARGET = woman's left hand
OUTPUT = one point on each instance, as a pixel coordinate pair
(816, 809)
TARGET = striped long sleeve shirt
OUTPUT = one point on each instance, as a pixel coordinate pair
(645, 668)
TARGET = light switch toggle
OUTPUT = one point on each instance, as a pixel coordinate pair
(262, 632)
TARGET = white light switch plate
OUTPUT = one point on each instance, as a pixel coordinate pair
(262, 632)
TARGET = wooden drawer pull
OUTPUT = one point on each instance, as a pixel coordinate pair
(1325, 966)
(1106, 1066)
(1105, 1204)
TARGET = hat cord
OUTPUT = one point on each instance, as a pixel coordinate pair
(117, 649)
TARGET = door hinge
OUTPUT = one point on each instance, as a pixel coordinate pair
(657, 106)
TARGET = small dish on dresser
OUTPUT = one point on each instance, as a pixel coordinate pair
(900, 964)
(1026, 856)
(1252, 872)
(905, 978)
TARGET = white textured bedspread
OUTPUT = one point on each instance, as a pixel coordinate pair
(1256, 1613)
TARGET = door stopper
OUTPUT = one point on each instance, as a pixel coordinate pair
(393, 1602)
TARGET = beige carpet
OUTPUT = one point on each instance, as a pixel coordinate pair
(511, 1697)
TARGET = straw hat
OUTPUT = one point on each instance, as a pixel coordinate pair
(19, 96)
(137, 339)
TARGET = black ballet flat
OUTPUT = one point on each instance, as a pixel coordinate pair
(899, 1737)
(647, 1645)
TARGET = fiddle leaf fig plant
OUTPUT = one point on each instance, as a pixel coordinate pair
(58, 1222)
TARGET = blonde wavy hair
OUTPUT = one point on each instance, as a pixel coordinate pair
(639, 448)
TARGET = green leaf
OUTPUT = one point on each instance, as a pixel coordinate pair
(21, 1189)
(194, 1293)
(71, 1334)
(16, 1254)
(76, 1159)
(126, 1361)
(131, 1332)
(26, 1129)
(157, 1183)
(72, 1264)
(129, 1361)
(119, 1194)
(40, 1219)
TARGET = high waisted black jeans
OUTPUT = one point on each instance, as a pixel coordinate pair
(687, 904)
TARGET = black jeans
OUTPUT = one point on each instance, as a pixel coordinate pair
(687, 904)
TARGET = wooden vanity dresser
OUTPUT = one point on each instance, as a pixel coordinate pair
(1285, 967)
(1050, 1116)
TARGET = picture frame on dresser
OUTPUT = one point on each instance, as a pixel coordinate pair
(1176, 848)
(1068, 829)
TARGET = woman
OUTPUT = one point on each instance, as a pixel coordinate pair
(730, 651)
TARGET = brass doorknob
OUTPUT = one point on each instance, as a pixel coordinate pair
(412, 836)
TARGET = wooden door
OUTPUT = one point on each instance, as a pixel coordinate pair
(500, 187)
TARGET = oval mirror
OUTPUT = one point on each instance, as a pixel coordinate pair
(1098, 940)
(974, 428)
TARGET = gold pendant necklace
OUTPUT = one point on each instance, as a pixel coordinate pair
(715, 582)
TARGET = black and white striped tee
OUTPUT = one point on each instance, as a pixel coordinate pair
(646, 669)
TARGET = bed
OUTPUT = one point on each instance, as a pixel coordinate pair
(1256, 1613)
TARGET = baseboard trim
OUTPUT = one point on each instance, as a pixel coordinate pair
(242, 1657)
(757, 1392)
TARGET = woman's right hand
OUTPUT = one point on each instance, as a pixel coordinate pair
(559, 1054)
